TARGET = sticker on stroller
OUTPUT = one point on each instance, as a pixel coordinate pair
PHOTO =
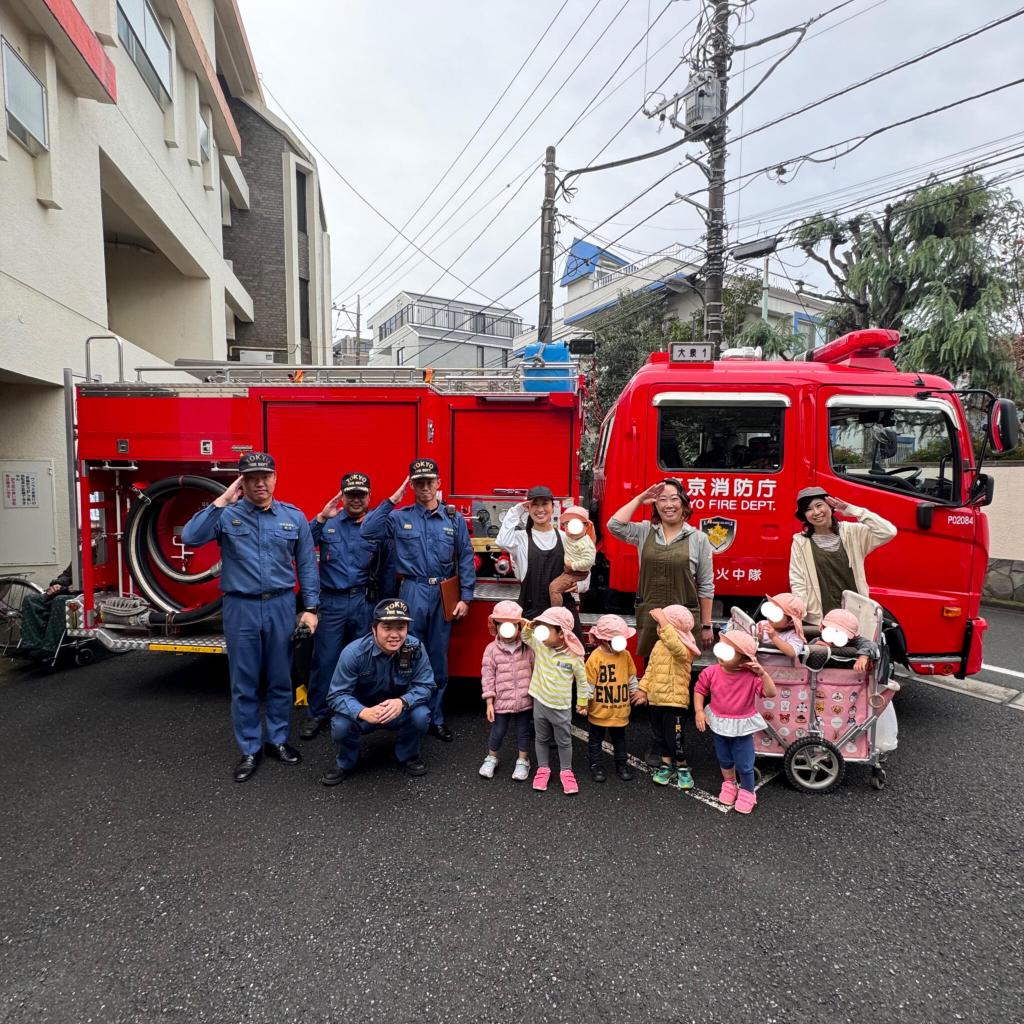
(785, 693)
(784, 717)
(768, 704)
(784, 704)
(768, 716)
(837, 696)
(801, 695)
(801, 733)
(819, 709)
(783, 732)
(836, 723)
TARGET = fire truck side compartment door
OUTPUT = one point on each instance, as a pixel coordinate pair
(315, 443)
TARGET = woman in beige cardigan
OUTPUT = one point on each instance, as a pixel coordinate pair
(827, 556)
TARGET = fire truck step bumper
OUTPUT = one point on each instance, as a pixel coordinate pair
(118, 642)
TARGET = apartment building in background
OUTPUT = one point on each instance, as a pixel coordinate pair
(121, 176)
(595, 279)
(427, 330)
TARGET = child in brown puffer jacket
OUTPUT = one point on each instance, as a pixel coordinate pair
(665, 686)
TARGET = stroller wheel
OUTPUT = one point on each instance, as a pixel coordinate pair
(814, 765)
(878, 778)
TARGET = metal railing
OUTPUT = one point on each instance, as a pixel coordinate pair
(469, 380)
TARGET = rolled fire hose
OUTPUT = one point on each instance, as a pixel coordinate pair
(140, 541)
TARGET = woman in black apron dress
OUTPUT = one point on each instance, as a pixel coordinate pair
(529, 532)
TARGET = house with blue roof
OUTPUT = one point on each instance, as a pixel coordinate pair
(594, 280)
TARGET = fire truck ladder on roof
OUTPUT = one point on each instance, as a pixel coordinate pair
(513, 380)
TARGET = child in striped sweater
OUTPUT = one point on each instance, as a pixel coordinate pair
(558, 661)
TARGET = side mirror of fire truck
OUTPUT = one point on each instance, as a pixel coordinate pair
(1003, 426)
(983, 490)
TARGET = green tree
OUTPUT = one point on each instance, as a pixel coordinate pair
(934, 267)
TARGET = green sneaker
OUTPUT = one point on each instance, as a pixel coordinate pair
(684, 780)
(663, 776)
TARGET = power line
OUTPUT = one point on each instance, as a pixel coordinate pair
(528, 99)
(846, 90)
(472, 138)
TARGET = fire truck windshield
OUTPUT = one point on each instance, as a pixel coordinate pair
(744, 437)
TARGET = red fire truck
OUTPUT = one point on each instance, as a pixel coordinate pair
(745, 435)
(742, 433)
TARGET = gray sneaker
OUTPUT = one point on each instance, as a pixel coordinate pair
(522, 770)
(487, 768)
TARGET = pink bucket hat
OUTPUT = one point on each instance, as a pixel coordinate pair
(580, 513)
(680, 618)
(562, 618)
(839, 618)
(610, 626)
(504, 611)
(794, 608)
(743, 642)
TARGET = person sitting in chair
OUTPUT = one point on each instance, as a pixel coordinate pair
(42, 618)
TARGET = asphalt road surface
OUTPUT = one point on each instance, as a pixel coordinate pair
(139, 883)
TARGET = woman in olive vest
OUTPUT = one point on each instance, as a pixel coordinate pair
(675, 559)
(827, 556)
(538, 557)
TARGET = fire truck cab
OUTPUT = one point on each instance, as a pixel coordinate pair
(745, 435)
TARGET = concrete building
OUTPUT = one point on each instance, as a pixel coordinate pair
(352, 351)
(119, 166)
(275, 237)
(425, 330)
(594, 280)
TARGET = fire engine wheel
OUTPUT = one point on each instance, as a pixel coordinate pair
(141, 549)
(814, 765)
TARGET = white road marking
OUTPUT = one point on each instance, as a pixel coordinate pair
(696, 793)
(976, 688)
(1002, 671)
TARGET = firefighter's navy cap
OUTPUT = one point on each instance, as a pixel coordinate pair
(540, 493)
(355, 483)
(391, 610)
(257, 462)
(423, 469)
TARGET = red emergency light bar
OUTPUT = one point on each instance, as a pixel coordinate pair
(855, 345)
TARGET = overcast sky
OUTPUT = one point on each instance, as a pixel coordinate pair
(390, 91)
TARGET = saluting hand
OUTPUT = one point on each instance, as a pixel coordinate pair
(649, 496)
(231, 495)
(836, 505)
(400, 493)
(330, 510)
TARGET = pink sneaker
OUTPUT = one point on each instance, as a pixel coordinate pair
(569, 783)
(728, 792)
(746, 801)
(540, 780)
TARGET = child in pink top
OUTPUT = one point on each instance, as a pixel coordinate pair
(732, 685)
(505, 676)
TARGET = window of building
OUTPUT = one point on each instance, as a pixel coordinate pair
(400, 319)
(909, 447)
(300, 200)
(481, 360)
(303, 309)
(504, 358)
(399, 357)
(144, 40)
(741, 436)
(204, 138)
(25, 102)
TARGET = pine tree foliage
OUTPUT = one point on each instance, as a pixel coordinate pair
(935, 266)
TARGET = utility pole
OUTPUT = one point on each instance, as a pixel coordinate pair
(547, 251)
(359, 336)
(715, 270)
(764, 291)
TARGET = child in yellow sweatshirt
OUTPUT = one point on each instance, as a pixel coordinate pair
(611, 674)
(666, 688)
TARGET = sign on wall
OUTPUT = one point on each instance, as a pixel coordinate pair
(28, 524)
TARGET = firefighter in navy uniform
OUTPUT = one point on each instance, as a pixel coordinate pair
(429, 543)
(353, 574)
(383, 681)
(264, 544)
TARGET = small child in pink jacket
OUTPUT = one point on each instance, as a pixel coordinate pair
(505, 673)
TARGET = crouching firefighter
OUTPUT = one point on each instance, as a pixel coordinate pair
(429, 544)
(354, 573)
(264, 544)
(383, 681)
